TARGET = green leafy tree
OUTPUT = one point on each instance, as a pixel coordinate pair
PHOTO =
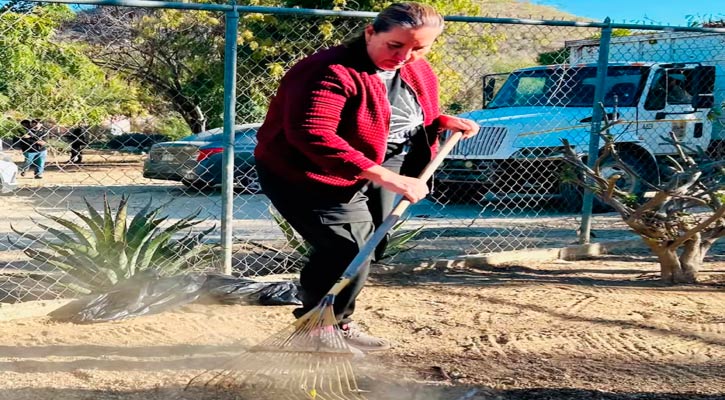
(44, 76)
(178, 55)
(175, 55)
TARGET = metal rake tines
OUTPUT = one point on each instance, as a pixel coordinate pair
(308, 360)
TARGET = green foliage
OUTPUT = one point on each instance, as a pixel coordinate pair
(501, 66)
(170, 125)
(42, 76)
(9, 128)
(706, 20)
(560, 56)
(178, 54)
(299, 245)
(398, 240)
(109, 249)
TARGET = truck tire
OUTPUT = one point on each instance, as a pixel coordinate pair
(454, 193)
(716, 151)
(571, 195)
(441, 193)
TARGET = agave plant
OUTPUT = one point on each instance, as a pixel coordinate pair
(109, 249)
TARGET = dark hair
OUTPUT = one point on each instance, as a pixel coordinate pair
(407, 15)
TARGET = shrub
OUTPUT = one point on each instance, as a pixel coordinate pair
(135, 141)
(109, 249)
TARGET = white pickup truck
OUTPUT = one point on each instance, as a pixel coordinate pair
(657, 83)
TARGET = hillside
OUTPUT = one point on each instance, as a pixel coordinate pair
(505, 47)
(523, 43)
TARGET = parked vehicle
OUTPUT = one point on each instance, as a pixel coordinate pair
(518, 152)
(196, 160)
(207, 173)
(8, 174)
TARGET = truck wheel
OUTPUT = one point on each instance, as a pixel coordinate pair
(441, 193)
(571, 195)
(453, 193)
(716, 151)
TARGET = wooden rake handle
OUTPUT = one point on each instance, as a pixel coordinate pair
(403, 204)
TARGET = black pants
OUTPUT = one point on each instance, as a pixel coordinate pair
(336, 229)
(76, 155)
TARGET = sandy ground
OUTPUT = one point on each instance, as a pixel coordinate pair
(591, 329)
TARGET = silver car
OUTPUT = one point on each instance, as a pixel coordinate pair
(8, 174)
(176, 160)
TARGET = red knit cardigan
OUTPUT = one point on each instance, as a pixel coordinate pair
(330, 118)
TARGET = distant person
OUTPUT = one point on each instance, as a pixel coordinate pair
(78, 141)
(676, 93)
(33, 145)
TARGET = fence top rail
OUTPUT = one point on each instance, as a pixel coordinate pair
(367, 14)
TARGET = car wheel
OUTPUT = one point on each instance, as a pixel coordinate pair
(247, 182)
(199, 186)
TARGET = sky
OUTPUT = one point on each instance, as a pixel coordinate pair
(658, 12)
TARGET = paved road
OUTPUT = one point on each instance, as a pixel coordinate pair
(252, 216)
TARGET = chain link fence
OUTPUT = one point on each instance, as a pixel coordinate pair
(128, 105)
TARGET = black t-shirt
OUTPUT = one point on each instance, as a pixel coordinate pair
(29, 141)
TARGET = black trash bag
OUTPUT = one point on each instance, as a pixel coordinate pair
(144, 293)
(231, 290)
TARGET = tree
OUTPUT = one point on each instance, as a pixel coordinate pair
(43, 76)
(685, 217)
(178, 55)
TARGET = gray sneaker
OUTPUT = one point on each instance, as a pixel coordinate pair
(358, 339)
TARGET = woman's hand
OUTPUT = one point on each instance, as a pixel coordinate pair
(469, 127)
(413, 189)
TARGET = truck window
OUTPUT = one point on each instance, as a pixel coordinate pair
(530, 91)
(672, 86)
(570, 87)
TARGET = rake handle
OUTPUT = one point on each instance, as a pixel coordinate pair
(403, 204)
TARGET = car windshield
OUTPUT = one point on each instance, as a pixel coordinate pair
(570, 87)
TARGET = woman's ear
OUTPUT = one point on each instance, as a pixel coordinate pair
(369, 31)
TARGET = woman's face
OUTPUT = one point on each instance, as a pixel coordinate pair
(399, 46)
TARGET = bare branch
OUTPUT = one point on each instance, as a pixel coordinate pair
(697, 228)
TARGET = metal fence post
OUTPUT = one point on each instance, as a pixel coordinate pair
(597, 114)
(230, 96)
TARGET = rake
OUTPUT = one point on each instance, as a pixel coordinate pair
(310, 359)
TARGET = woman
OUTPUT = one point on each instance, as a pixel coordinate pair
(349, 128)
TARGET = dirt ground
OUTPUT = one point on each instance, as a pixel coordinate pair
(591, 329)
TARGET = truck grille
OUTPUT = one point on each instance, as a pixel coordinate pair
(486, 143)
